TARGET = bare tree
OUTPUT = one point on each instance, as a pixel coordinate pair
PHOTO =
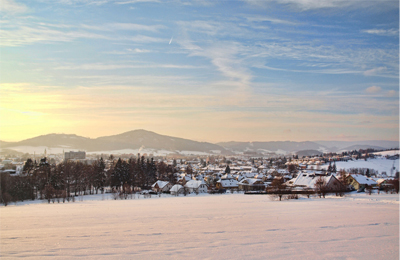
(320, 187)
(277, 188)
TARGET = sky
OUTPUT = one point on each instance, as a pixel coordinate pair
(275, 70)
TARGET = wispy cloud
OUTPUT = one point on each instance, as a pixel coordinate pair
(28, 32)
(12, 7)
(123, 2)
(25, 34)
(392, 93)
(305, 5)
(270, 19)
(374, 71)
(129, 51)
(103, 66)
(383, 32)
(373, 90)
(124, 26)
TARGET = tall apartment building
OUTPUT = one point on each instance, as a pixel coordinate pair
(81, 155)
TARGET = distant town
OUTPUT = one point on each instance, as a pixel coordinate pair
(63, 176)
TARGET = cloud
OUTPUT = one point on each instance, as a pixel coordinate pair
(366, 122)
(305, 5)
(346, 137)
(146, 39)
(28, 34)
(109, 66)
(129, 51)
(374, 71)
(137, 1)
(269, 19)
(392, 93)
(124, 26)
(12, 7)
(373, 89)
(80, 2)
(383, 32)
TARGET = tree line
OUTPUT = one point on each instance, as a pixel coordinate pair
(63, 181)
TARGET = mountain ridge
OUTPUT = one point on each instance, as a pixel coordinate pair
(140, 138)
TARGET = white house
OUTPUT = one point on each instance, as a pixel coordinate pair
(161, 186)
(308, 180)
(197, 186)
(176, 189)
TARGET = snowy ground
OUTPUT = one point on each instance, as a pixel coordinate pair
(229, 226)
(390, 153)
(379, 164)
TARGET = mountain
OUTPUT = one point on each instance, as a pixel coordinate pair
(145, 139)
(53, 140)
(336, 146)
(137, 139)
(280, 147)
(308, 153)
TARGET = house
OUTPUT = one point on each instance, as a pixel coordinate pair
(197, 186)
(161, 186)
(177, 189)
(250, 184)
(359, 182)
(307, 180)
(383, 183)
(228, 183)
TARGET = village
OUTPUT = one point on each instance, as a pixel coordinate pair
(74, 173)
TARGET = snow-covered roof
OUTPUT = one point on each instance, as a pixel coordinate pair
(361, 179)
(227, 176)
(308, 180)
(250, 181)
(194, 184)
(176, 188)
(161, 184)
(228, 183)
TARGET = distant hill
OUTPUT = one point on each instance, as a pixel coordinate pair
(3, 144)
(54, 140)
(146, 139)
(142, 139)
(282, 147)
(335, 146)
(130, 140)
(308, 153)
(358, 147)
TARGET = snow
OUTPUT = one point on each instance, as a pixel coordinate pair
(230, 226)
(361, 179)
(280, 151)
(323, 149)
(308, 180)
(40, 149)
(379, 164)
(193, 153)
(155, 152)
(390, 153)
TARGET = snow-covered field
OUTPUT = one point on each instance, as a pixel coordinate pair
(390, 153)
(229, 226)
(379, 164)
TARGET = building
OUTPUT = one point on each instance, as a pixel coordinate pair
(360, 182)
(80, 155)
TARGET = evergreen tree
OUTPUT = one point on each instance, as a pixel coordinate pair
(330, 167)
(334, 167)
(99, 175)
